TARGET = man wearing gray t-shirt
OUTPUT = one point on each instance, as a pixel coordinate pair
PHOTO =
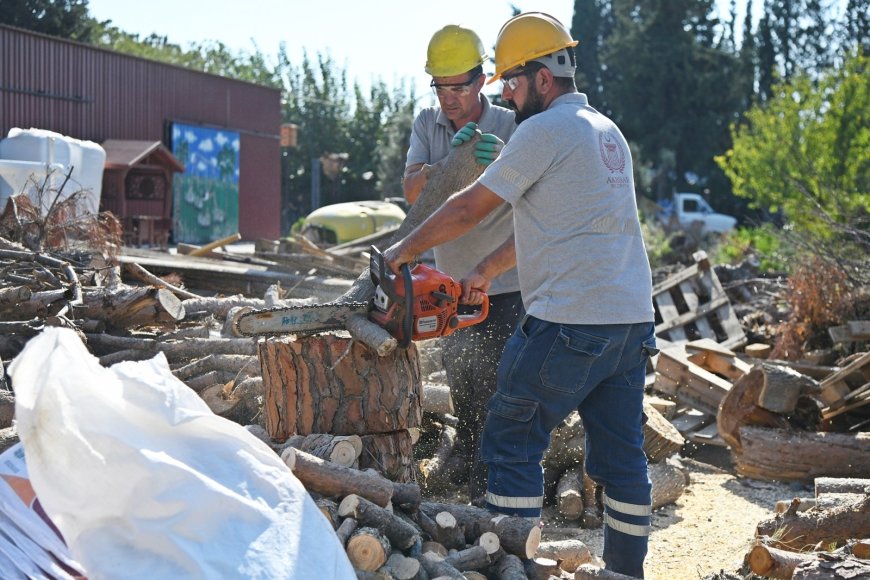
(585, 281)
(470, 356)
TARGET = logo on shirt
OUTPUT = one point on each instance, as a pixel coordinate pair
(611, 153)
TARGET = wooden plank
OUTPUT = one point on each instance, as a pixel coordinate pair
(693, 302)
(694, 385)
(712, 356)
(708, 435)
(692, 420)
(676, 279)
(688, 317)
(670, 317)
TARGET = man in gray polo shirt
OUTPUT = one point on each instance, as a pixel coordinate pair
(586, 285)
(470, 356)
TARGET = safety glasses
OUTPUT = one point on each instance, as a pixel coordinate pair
(513, 81)
(456, 89)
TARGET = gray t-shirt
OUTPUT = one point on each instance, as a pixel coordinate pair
(567, 172)
(430, 143)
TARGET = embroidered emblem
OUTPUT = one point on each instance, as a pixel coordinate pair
(611, 153)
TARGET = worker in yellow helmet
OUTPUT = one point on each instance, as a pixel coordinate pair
(586, 285)
(455, 61)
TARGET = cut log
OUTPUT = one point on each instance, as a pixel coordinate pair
(7, 406)
(329, 509)
(8, 438)
(344, 531)
(139, 273)
(824, 568)
(239, 364)
(221, 403)
(407, 496)
(782, 387)
(434, 547)
(471, 558)
(390, 454)
(786, 454)
(796, 531)
(569, 494)
(740, 407)
(442, 528)
(331, 384)
(437, 399)
(592, 572)
(660, 438)
(757, 350)
(825, 485)
(517, 535)
(14, 295)
(775, 563)
(401, 534)
(593, 511)
(333, 480)
(220, 306)
(340, 449)
(433, 467)
(668, 483)
(566, 449)
(367, 549)
(541, 568)
(508, 567)
(400, 567)
(200, 382)
(133, 307)
(569, 553)
(438, 567)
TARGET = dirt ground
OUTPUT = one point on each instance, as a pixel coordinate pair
(710, 528)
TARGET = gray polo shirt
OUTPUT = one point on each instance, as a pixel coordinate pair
(430, 143)
(567, 172)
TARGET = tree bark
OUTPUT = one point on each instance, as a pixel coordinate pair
(7, 406)
(437, 399)
(472, 558)
(791, 455)
(825, 568)
(569, 553)
(344, 531)
(660, 438)
(401, 534)
(668, 484)
(569, 493)
(794, 531)
(591, 572)
(443, 528)
(399, 567)
(438, 567)
(517, 535)
(390, 454)
(740, 407)
(333, 480)
(330, 384)
(342, 450)
(782, 387)
(509, 567)
(825, 485)
(133, 307)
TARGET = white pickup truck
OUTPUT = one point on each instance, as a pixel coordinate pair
(687, 208)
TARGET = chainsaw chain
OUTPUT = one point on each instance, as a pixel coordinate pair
(304, 332)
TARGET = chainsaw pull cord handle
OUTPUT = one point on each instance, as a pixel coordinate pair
(408, 322)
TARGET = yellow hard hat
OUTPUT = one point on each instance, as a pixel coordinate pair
(454, 50)
(527, 37)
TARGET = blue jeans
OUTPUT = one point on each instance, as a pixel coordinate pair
(547, 371)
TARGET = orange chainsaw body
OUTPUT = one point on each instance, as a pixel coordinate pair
(419, 303)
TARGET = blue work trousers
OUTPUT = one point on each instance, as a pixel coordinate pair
(547, 371)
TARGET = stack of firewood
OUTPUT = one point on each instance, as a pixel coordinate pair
(827, 536)
(389, 531)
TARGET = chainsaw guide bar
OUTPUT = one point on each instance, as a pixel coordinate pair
(299, 319)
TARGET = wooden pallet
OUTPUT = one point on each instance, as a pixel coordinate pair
(692, 304)
(839, 395)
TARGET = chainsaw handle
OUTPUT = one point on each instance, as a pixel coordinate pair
(464, 320)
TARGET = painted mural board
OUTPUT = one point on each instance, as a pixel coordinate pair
(206, 196)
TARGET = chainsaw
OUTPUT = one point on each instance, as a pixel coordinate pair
(415, 304)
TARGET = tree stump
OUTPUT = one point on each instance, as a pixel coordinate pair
(390, 454)
(332, 384)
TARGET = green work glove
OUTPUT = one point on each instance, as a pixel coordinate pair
(464, 135)
(487, 149)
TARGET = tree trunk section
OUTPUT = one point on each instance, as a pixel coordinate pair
(517, 535)
(668, 484)
(782, 387)
(133, 307)
(775, 563)
(390, 454)
(367, 549)
(401, 534)
(330, 384)
(824, 485)
(343, 450)
(786, 454)
(825, 569)
(569, 553)
(437, 399)
(740, 407)
(794, 531)
(592, 572)
(569, 493)
(333, 480)
(660, 438)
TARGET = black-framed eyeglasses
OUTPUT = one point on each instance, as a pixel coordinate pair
(456, 89)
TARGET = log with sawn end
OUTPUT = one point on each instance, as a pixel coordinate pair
(517, 535)
(368, 549)
(476, 557)
(443, 529)
(569, 553)
(401, 534)
(334, 480)
(794, 530)
(340, 449)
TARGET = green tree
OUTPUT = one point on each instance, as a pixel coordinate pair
(670, 87)
(64, 18)
(806, 152)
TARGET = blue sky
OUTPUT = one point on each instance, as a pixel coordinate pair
(371, 40)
